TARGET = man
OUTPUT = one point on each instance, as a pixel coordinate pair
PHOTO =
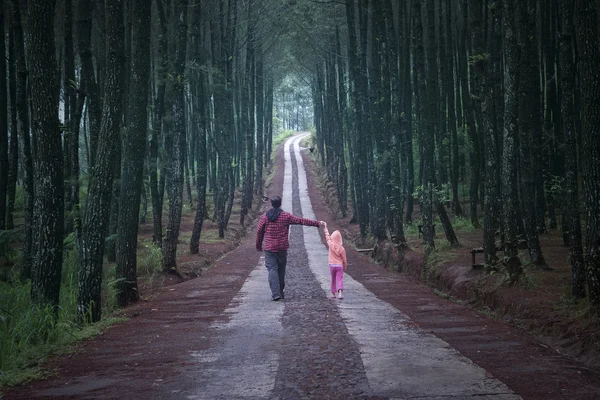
(273, 227)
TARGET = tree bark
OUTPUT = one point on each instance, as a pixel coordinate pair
(85, 10)
(177, 137)
(3, 124)
(13, 147)
(509, 171)
(567, 86)
(529, 121)
(483, 66)
(156, 164)
(49, 192)
(451, 93)
(200, 113)
(428, 131)
(97, 214)
(134, 151)
(22, 110)
(588, 60)
(469, 114)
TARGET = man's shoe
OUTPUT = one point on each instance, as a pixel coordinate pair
(276, 298)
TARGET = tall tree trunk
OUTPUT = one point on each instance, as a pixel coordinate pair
(49, 193)
(509, 171)
(358, 111)
(247, 115)
(200, 114)
(260, 107)
(24, 140)
(97, 214)
(428, 98)
(450, 91)
(85, 10)
(156, 162)
(588, 61)
(529, 121)
(69, 105)
(567, 86)
(3, 124)
(468, 109)
(177, 137)
(483, 67)
(13, 147)
(134, 151)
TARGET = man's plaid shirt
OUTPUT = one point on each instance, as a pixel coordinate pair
(276, 233)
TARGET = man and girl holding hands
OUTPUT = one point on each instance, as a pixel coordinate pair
(273, 229)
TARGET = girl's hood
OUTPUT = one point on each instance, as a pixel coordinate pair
(336, 242)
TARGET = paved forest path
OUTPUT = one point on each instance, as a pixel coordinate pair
(220, 336)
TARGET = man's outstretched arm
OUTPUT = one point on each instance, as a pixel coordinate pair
(303, 221)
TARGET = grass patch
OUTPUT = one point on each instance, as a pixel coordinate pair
(211, 236)
(30, 333)
(462, 224)
(277, 140)
(149, 260)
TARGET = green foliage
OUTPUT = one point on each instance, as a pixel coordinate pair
(19, 199)
(277, 126)
(30, 333)
(462, 224)
(282, 137)
(7, 240)
(149, 260)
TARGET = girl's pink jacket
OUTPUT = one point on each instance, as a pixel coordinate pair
(337, 253)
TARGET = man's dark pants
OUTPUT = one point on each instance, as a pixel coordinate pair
(275, 261)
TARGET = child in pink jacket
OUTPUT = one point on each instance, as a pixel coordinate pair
(337, 261)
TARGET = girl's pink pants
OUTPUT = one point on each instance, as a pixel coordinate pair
(337, 277)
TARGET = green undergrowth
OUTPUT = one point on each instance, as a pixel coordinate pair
(277, 140)
(29, 333)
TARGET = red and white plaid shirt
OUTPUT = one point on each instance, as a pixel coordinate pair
(276, 233)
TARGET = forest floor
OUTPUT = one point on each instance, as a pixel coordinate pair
(539, 303)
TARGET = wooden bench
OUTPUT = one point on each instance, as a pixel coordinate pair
(366, 251)
(521, 245)
(475, 251)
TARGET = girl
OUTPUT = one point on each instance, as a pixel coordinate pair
(337, 261)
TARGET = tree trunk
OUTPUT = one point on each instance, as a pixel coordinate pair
(3, 124)
(509, 171)
(156, 161)
(97, 215)
(69, 109)
(200, 114)
(134, 151)
(468, 108)
(428, 133)
(358, 112)
(24, 140)
(567, 86)
(85, 10)
(483, 67)
(589, 59)
(529, 121)
(260, 107)
(451, 93)
(177, 137)
(13, 147)
(49, 192)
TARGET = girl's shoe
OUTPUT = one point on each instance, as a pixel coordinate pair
(340, 295)
(332, 297)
